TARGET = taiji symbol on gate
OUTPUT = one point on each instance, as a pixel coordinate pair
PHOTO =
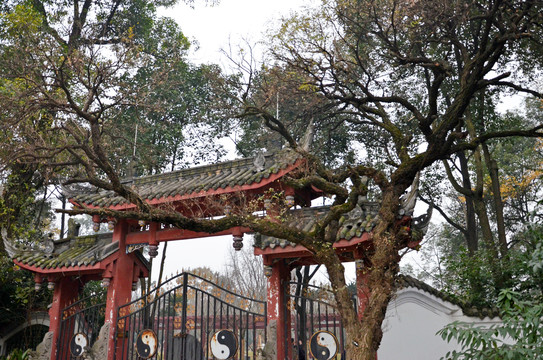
(224, 344)
(78, 343)
(146, 343)
(323, 345)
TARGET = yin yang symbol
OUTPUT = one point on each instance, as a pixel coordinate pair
(146, 343)
(223, 344)
(323, 345)
(78, 343)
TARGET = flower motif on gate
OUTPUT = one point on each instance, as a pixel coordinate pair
(291, 304)
(177, 323)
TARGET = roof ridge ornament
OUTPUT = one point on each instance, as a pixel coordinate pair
(259, 162)
(307, 139)
(10, 248)
(408, 201)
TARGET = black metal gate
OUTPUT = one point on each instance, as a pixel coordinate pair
(189, 317)
(315, 324)
(79, 327)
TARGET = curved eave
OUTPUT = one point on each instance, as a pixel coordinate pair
(200, 194)
(65, 270)
(296, 250)
(95, 268)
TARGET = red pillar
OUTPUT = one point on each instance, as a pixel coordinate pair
(277, 309)
(65, 293)
(120, 288)
(362, 289)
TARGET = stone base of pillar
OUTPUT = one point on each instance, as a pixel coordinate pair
(43, 351)
(270, 349)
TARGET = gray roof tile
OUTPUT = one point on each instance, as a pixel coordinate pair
(80, 251)
(192, 181)
(353, 224)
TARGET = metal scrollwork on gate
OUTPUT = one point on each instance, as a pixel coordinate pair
(185, 312)
(223, 344)
(323, 345)
(79, 328)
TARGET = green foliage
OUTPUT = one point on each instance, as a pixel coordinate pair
(471, 278)
(118, 66)
(17, 295)
(94, 292)
(518, 337)
(18, 354)
(520, 333)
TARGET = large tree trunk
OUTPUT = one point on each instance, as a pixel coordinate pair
(472, 240)
(492, 168)
(364, 337)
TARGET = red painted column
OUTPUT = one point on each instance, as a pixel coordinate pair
(65, 293)
(120, 288)
(362, 289)
(277, 309)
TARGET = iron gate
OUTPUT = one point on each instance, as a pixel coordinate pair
(315, 324)
(79, 327)
(189, 317)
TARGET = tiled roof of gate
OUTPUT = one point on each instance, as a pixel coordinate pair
(355, 223)
(195, 180)
(79, 251)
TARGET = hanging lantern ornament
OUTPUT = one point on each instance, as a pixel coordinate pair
(37, 286)
(359, 264)
(50, 285)
(289, 200)
(105, 282)
(227, 210)
(111, 224)
(268, 271)
(141, 223)
(238, 243)
(153, 250)
(96, 227)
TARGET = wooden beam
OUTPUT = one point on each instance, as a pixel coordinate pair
(145, 237)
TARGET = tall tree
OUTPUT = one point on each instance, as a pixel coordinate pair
(98, 72)
(407, 76)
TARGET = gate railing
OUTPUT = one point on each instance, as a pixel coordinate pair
(79, 327)
(178, 320)
(312, 310)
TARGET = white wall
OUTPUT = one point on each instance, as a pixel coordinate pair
(412, 320)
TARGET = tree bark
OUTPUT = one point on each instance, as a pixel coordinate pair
(472, 240)
(492, 168)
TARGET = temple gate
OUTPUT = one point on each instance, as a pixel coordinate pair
(116, 260)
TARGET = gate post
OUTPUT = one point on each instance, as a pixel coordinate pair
(66, 291)
(120, 287)
(277, 308)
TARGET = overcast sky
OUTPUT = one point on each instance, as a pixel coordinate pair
(230, 21)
